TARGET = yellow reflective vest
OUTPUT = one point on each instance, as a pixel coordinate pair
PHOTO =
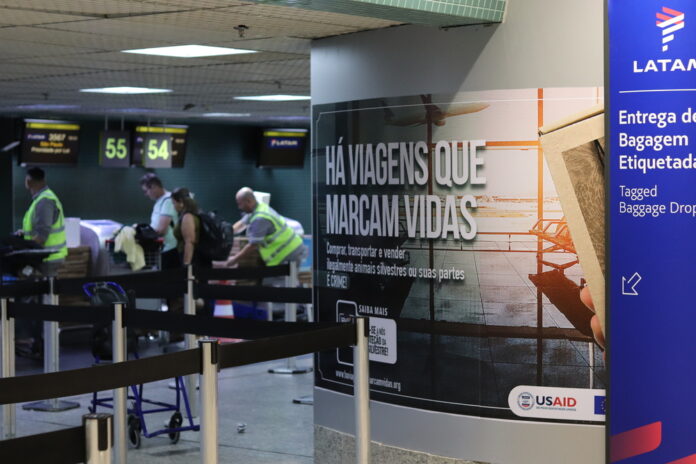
(56, 240)
(277, 245)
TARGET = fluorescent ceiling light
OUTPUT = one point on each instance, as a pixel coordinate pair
(189, 51)
(126, 90)
(43, 106)
(290, 118)
(226, 115)
(134, 110)
(275, 98)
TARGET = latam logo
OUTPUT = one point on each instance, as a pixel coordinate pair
(670, 21)
(284, 143)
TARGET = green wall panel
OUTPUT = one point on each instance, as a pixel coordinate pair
(219, 160)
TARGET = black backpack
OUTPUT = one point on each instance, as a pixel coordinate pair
(215, 239)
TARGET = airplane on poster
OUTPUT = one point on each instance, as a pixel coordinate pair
(418, 116)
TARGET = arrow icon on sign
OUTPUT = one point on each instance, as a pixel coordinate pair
(628, 287)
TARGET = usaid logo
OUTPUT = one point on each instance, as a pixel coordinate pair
(669, 21)
(525, 401)
(581, 404)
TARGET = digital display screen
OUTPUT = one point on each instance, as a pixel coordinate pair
(283, 148)
(177, 153)
(50, 142)
(114, 149)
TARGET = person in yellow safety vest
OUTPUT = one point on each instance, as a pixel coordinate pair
(268, 232)
(44, 221)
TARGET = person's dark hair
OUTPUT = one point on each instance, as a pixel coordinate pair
(182, 195)
(36, 174)
(150, 179)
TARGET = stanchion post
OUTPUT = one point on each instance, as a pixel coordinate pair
(7, 347)
(209, 400)
(190, 339)
(361, 389)
(291, 281)
(98, 443)
(51, 341)
(51, 358)
(118, 346)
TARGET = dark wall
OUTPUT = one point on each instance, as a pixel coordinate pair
(8, 134)
(219, 160)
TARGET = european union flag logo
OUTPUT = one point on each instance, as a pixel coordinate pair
(600, 405)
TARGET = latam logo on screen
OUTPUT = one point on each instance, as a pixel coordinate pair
(278, 142)
(669, 21)
(576, 404)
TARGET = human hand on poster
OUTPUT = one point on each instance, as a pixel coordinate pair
(586, 298)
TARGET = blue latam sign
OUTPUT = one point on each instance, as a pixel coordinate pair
(652, 134)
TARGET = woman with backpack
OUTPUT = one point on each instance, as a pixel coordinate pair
(188, 230)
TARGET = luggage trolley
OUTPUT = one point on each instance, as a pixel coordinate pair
(104, 293)
(117, 264)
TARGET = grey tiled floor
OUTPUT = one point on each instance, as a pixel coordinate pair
(277, 431)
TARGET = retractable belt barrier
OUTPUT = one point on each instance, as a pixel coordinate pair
(269, 294)
(98, 378)
(118, 375)
(90, 443)
(43, 447)
(41, 312)
(241, 273)
(24, 288)
(289, 339)
(172, 283)
(217, 327)
(268, 349)
(160, 284)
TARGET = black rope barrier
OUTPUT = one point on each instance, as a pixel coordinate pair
(217, 327)
(44, 448)
(109, 376)
(169, 283)
(101, 377)
(84, 314)
(21, 288)
(266, 294)
(240, 273)
(286, 346)
(480, 330)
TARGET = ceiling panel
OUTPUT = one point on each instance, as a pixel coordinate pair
(48, 35)
(22, 17)
(20, 48)
(91, 7)
(53, 48)
(223, 21)
(158, 33)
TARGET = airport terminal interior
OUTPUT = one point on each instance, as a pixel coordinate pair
(171, 156)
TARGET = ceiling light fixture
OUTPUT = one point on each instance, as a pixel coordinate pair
(126, 90)
(275, 98)
(226, 115)
(189, 51)
(44, 106)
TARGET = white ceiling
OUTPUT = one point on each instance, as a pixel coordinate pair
(49, 49)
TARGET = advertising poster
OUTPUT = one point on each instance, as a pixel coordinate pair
(436, 217)
(652, 61)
